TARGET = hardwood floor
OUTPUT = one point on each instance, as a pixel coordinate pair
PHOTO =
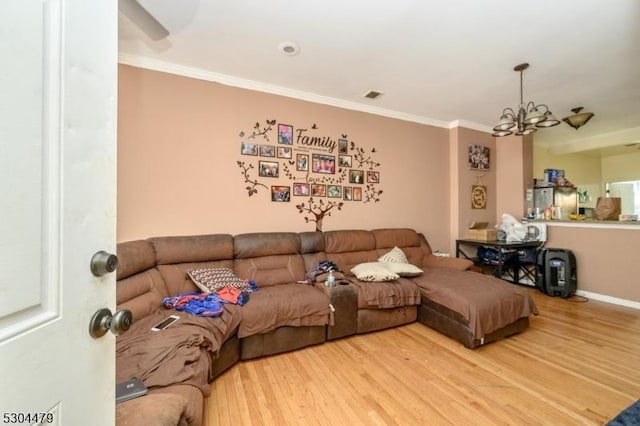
(577, 364)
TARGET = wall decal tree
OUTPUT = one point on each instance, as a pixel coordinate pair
(334, 178)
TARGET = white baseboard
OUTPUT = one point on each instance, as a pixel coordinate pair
(609, 299)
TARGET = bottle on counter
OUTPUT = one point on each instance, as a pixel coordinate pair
(547, 213)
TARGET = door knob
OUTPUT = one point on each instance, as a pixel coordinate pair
(103, 263)
(103, 320)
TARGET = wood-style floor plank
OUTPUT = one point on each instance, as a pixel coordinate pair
(577, 364)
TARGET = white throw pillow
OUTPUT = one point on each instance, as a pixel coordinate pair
(395, 255)
(373, 271)
(404, 269)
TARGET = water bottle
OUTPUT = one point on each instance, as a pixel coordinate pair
(330, 279)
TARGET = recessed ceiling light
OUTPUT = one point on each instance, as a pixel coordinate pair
(373, 94)
(289, 48)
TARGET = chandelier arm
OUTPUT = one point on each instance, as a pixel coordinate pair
(510, 112)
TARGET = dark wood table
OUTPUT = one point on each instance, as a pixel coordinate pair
(505, 263)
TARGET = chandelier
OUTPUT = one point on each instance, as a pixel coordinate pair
(528, 118)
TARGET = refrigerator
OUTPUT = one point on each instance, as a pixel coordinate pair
(559, 196)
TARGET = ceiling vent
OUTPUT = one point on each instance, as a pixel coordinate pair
(373, 94)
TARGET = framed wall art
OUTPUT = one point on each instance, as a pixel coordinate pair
(248, 148)
(356, 176)
(267, 151)
(318, 190)
(268, 168)
(285, 152)
(343, 146)
(478, 197)
(357, 193)
(301, 189)
(302, 162)
(334, 191)
(479, 157)
(344, 161)
(280, 193)
(348, 193)
(373, 177)
(322, 163)
(285, 134)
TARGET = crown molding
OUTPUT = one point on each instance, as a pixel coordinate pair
(228, 80)
(470, 125)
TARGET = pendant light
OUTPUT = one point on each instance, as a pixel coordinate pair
(578, 119)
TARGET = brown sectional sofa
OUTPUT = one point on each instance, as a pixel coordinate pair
(178, 363)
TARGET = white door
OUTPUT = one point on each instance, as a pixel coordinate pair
(58, 100)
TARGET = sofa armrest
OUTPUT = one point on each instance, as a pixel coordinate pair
(344, 304)
(433, 261)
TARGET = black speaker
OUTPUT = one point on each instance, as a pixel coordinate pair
(556, 272)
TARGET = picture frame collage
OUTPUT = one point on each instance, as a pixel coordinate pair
(319, 163)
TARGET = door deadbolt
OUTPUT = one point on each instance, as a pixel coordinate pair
(102, 321)
(103, 263)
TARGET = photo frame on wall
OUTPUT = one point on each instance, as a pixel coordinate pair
(373, 177)
(285, 134)
(347, 193)
(357, 193)
(344, 161)
(334, 191)
(248, 148)
(343, 146)
(479, 157)
(301, 189)
(280, 193)
(318, 190)
(356, 176)
(285, 152)
(302, 162)
(322, 163)
(268, 168)
(267, 151)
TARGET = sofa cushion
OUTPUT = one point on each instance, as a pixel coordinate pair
(210, 280)
(404, 269)
(271, 270)
(284, 305)
(141, 293)
(401, 237)
(395, 255)
(134, 257)
(396, 261)
(349, 241)
(260, 244)
(386, 294)
(373, 271)
(194, 248)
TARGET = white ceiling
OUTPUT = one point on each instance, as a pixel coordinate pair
(441, 62)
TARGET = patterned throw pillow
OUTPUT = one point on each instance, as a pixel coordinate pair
(373, 271)
(210, 280)
(396, 261)
(396, 255)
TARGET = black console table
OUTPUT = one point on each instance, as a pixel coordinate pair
(512, 269)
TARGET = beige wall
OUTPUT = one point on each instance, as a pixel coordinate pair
(179, 145)
(620, 168)
(579, 169)
(461, 212)
(605, 258)
(514, 174)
